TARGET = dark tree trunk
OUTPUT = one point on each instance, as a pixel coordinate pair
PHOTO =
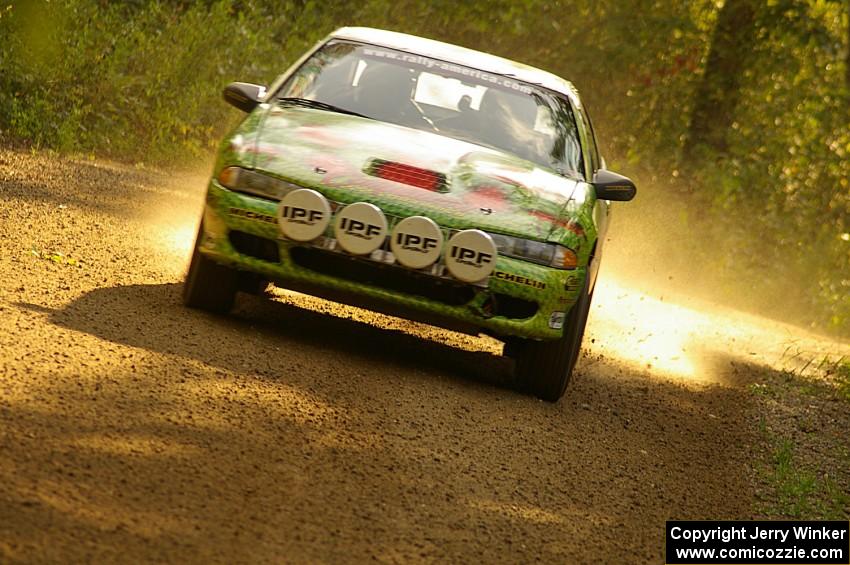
(717, 95)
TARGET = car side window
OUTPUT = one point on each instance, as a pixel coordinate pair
(593, 145)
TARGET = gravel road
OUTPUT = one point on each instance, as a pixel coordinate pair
(298, 430)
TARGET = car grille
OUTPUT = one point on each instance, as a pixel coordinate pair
(512, 307)
(443, 290)
(254, 246)
(408, 174)
(375, 274)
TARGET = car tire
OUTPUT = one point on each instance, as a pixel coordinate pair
(544, 368)
(209, 286)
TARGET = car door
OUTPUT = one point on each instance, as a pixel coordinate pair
(601, 209)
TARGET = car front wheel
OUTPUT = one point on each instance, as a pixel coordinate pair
(209, 286)
(544, 368)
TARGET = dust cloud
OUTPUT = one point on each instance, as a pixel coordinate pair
(666, 304)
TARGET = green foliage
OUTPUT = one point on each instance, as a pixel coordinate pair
(141, 80)
(842, 377)
(137, 81)
(800, 493)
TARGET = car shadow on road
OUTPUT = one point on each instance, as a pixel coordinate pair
(280, 431)
(152, 317)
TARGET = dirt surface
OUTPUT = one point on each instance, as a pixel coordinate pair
(135, 430)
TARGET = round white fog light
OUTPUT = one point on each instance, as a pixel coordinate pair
(360, 228)
(416, 242)
(470, 255)
(303, 214)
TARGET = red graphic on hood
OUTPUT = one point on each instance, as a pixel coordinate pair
(261, 148)
(567, 224)
(321, 136)
(488, 196)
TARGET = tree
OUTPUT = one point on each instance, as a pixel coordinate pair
(847, 53)
(717, 96)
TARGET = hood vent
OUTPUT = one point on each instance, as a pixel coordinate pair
(407, 174)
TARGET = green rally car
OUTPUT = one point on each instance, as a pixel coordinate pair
(419, 179)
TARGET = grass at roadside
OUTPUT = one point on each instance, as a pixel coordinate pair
(842, 379)
(800, 492)
(803, 468)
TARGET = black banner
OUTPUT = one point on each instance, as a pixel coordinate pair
(761, 542)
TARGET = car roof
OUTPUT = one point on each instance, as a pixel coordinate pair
(459, 55)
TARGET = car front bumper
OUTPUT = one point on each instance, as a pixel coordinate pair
(519, 299)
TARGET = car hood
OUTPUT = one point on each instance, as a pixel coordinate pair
(337, 154)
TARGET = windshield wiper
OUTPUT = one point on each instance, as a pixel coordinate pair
(307, 103)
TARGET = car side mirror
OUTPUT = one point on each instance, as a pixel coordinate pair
(244, 95)
(611, 186)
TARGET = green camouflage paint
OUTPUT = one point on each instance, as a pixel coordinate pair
(487, 189)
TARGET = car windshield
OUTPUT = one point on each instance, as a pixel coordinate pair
(432, 95)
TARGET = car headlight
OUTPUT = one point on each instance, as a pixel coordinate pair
(252, 182)
(549, 254)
